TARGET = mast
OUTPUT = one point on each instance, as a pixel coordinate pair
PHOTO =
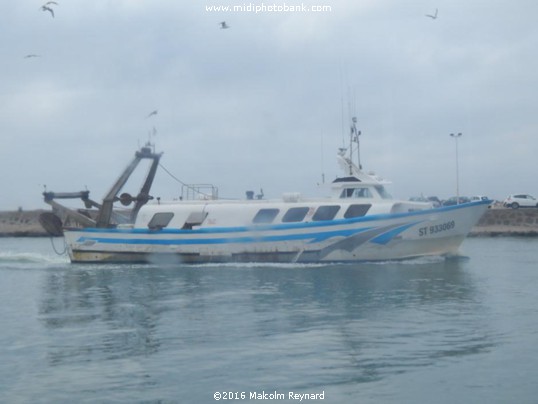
(354, 137)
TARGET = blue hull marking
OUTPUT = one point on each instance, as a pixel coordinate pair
(313, 237)
(385, 238)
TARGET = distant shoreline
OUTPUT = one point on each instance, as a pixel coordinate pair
(496, 222)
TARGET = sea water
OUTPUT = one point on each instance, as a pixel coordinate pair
(429, 330)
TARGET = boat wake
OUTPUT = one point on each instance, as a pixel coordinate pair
(10, 257)
(425, 260)
(261, 265)
(418, 261)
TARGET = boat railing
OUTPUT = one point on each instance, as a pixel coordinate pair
(191, 192)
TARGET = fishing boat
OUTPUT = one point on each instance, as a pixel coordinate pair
(358, 221)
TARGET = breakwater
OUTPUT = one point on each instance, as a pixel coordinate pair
(21, 223)
(507, 222)
(495, 222)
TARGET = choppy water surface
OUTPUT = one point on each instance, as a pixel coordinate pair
(430, 330)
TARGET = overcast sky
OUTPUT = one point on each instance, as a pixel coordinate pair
(267, 102)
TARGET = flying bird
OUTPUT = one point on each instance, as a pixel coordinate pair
(50, 2)
(45, 8)
(152, 113)
(434, 16)
(32, 55)
(223, 25)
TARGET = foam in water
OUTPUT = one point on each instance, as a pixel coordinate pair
(31, 258)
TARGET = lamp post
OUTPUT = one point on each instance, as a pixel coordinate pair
(456, 137)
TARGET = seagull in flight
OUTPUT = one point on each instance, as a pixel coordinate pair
(223, 25)
(32, 55)
(152, 113)
(434, 16)
(45, 8)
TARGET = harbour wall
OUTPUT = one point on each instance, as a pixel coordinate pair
(507, 222)
(495, 222)
(21, 223)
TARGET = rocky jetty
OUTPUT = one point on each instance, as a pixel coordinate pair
(507, 222)
(21, 224)
(495, 222)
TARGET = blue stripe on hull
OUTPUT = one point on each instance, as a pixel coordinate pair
(385, 238)
(312, 237)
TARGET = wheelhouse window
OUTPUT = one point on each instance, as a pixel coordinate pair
(295, 214)
(327, 212)
(265, 216)
(361, 192)
(356, 210)
(160, 220)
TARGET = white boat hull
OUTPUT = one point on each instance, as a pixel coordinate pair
(369, 238)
